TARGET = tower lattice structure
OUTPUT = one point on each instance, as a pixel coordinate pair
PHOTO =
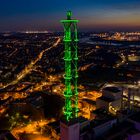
(71, 73)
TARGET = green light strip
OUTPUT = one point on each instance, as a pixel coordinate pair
(71, 74)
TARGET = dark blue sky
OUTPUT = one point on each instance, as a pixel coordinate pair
(93, 14)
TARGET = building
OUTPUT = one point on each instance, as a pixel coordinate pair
(70, 130)
(110, 100)
(6, 135)
(131, 97)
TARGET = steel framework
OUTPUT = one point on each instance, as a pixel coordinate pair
(71, 74)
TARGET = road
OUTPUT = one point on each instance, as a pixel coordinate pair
(30, 66)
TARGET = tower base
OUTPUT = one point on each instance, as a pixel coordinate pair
(70, 130)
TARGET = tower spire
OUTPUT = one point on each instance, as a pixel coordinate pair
(69, 14)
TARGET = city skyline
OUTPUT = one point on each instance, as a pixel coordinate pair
(69, 84)
(93, 15)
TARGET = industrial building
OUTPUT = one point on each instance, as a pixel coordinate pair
(131, 97)
(110, 100)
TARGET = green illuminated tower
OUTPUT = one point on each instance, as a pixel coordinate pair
(71, 74)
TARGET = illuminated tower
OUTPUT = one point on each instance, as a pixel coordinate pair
(71, 74)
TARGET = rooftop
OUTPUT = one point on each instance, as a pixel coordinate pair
(6, 135)
(89, 101)
(112, 89)
(101, 117)
(106, 99)
(119, 130)
(73, 121)
(136, 117)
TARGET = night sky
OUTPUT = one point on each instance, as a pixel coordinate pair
(94, 15)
